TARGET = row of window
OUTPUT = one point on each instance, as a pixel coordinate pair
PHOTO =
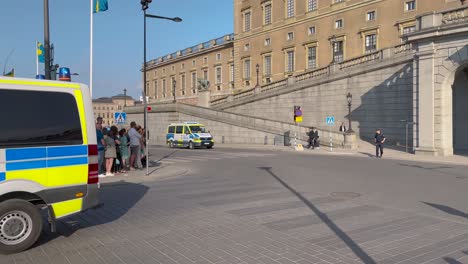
(108, 108)
(311, 6)
(194, 63)
(193, 80)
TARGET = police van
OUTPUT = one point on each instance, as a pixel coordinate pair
(189, 134)
(48, 157)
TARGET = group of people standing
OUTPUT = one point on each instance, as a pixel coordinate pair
(121, 150)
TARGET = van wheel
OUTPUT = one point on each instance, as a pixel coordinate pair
(209, 147)
(191, 145)
(20, 225)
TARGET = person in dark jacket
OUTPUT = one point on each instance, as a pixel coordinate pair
(313, 138)
(379, 140)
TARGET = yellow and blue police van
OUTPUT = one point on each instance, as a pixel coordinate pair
(188, 135)
(48, 157)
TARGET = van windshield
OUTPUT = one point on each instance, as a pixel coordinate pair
(197, 129)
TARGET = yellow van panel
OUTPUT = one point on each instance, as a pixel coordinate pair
(65, 208)
(40, 83)
(79, 101)
(68, 175)
(35, 175)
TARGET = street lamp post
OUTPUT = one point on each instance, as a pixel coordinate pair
(349, 97)
(144, 4)
(46, 41)
(174, 89)
(125, 97)
(257, 68)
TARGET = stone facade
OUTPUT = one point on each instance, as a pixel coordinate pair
(274, 28)
(212, 60)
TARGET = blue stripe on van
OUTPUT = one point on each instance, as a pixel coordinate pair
(25, 153)
(54, 152)
(26, 165)
(67, 162)
(2, 176)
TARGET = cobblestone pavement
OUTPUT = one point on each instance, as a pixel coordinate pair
(219, 218)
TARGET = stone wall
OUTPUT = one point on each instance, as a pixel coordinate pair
(382, 98)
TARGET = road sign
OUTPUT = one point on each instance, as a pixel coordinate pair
(120, 118)
(330, 120)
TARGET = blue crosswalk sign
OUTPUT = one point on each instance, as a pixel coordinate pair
(120, 118)
(330, 120)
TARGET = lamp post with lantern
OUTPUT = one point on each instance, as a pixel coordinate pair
(257, 69)
(349, 98)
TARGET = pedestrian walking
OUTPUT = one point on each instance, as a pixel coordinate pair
(135, 147)
(111, 150)
(379, 140)
(310, 139)
(100, 145)
(124, 144)
(343, 128)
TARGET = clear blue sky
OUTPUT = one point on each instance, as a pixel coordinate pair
(118, 36)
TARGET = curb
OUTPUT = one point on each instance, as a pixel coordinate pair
(163, 172)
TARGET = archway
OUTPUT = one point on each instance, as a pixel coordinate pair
(460, 111)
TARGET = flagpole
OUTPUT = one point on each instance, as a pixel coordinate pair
(91, 50)
(37, 60)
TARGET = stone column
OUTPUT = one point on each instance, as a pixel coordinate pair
(425, 101)
(350, 141)
(204, 98)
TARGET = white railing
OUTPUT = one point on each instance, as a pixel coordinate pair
(273, 85)
(403, 48)
(313, 74)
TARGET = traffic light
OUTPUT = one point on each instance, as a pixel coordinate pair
(145, 3)
(149, 108)
(297, 114)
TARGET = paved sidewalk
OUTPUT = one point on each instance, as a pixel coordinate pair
(365, 149)
(139, 176)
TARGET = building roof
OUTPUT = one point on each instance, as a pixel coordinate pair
(103, 100)
(122, 96)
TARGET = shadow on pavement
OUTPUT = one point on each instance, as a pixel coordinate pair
(448, 209)
(358, 251)
(117, 198)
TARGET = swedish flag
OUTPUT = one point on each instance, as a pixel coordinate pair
(40, 52)
(99, 6)
(10, 74)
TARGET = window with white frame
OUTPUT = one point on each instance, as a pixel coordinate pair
(311, 30)
(338, 52)
(311, 5)
(410, 5)
(409, 29)
(247, 21)
(247, 47)
(173, 68)
(267, 41)
(339, 23)
(371, 43)
(193, 63)
(231, 76)
(267, 14)
(311, 58)
(370, 16)
(164, 71)
(290, 36)
(182, 66)
(205, 60)
(164, 87)
(205, 74)
(339, 1)
(182, 83)
(218, 75)
(290, 61)
(290, 8)
(194, 80)
(218, 56)
(247, 69)
(267, 65)
(156, 89)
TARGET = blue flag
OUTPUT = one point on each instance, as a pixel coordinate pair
(99, 6)
(40, 52)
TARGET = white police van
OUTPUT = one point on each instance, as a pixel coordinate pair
(188, 134)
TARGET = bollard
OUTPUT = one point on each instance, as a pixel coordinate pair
(222, 139)
(265, 142)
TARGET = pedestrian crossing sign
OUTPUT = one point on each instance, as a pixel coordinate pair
(330, 120)
(120, 118)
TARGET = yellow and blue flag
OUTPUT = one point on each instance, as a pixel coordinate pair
(11, 73)
(99, 6)
(40, 52)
